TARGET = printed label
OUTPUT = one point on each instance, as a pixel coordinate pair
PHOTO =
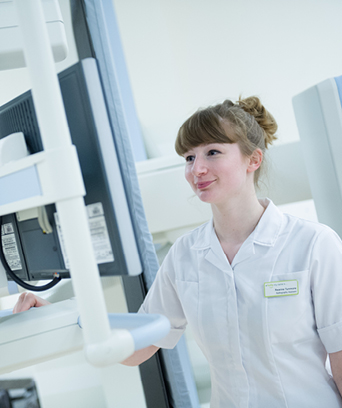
(10, 247)
(99, 235)
(281, 288)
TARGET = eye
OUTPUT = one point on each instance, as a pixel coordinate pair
(189, 158)
(213, 152)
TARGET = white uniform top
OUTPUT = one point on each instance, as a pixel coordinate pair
(263, 352)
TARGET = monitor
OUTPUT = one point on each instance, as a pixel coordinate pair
(31, 252)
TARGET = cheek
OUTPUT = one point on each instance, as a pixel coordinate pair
(234, 175)
(188, 175)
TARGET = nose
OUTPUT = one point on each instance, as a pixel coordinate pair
(199, 167)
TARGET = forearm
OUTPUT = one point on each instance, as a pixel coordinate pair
(140, 356)
(336, 368)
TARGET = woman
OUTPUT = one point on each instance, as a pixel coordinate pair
(260, 289)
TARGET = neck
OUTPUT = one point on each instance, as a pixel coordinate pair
(235, 221)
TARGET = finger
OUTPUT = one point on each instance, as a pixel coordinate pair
(41, 302)
(27, 300)
(19, 303)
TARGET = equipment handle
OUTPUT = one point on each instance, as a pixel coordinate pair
(145, 329)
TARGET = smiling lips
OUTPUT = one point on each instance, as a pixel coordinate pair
(205, 184)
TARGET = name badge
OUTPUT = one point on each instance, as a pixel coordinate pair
(281, 288)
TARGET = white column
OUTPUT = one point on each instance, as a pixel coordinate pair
(45, 87)
(55, 134)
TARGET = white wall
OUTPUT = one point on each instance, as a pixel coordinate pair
(184, 54)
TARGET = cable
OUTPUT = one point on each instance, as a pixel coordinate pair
(16, 279)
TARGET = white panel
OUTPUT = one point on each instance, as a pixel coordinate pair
(169, 201)
(332, 113)
(20, 185)
(111, 164)
(318, 114)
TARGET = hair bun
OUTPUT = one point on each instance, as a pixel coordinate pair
(266, 121)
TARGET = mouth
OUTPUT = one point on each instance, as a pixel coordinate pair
(205, 184)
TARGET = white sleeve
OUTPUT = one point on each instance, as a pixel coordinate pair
(162, 298)
(326, 284)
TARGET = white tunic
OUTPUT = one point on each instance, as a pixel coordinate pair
(263, 351)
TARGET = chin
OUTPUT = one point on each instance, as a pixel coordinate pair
(206, 197)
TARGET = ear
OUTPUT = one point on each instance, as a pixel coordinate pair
(255, 160)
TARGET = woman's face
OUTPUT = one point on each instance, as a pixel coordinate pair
(218, 171)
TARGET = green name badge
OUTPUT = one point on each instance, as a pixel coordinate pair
(281, 288)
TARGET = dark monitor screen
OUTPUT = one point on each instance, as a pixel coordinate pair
(30, 252)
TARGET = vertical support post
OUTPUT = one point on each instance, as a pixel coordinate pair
(45, 86)
(55, 134)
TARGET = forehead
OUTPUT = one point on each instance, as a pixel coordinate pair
(209, 146)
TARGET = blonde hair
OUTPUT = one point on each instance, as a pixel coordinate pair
(246, 122)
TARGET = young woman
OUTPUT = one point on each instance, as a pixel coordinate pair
(260, 289)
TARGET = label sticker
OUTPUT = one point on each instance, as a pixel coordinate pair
(61, 241)
(99, 235)
(281, 288)
(10, 247)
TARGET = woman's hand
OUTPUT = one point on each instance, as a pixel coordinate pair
(336, 368)
(140, 356)
(27, 300)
